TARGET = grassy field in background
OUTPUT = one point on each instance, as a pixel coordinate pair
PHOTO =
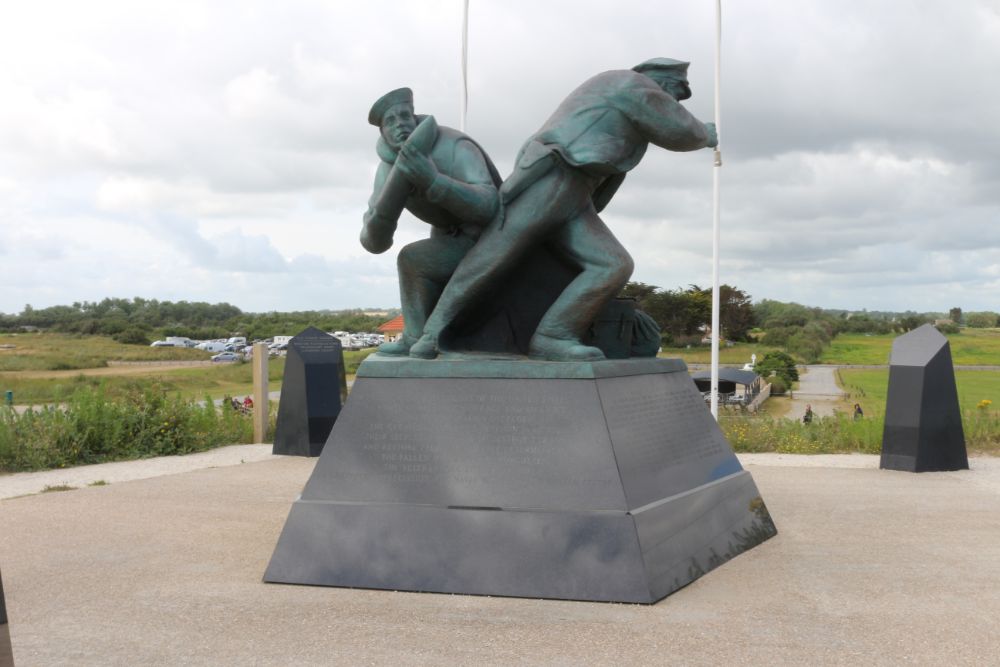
(971, 347)
(48, 368)
(55, 352)
(869, 386)
(216, 381)
(768, 432)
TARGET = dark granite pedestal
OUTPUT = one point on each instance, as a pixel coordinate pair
(603, 481)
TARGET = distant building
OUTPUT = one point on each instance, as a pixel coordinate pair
(392, 329)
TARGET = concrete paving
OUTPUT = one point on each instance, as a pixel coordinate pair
(26, 483)
(869, 567)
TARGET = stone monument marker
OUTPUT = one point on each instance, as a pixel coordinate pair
(923, 422)
(312, 393)
(587, 469)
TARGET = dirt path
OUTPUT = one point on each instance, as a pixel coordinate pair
(137, 369)
(818, 388)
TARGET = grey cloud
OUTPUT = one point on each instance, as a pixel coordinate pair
(861, 154)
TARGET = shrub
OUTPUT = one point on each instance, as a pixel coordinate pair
(824, 435)
(780, 364)
(132, 336)
(840, 433)
(805, 346)
(108, 424)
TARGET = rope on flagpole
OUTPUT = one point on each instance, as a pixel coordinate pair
(465, 64)
(716, 168)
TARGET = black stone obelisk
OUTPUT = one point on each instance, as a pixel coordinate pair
(923, 422)
(312, 392)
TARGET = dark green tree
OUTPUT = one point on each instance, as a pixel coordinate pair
(780, 364)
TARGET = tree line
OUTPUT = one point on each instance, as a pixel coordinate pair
(683, 315)
(139, 320)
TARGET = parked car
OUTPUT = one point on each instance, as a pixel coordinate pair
(227, 356)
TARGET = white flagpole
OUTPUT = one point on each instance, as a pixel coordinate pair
(716, 333)
(465, 63)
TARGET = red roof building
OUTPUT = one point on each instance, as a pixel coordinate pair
(392, 329)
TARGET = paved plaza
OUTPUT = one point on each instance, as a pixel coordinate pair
(869, 567)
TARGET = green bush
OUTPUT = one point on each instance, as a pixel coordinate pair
(840, 433)
(132, 336)
(114, 423)
(805, 346)
(780, 364)
(824, 435)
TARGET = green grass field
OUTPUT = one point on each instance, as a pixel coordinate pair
(54, 352)
(971, 347)
(42, 368)
(218, 380)
(739, 353)
(869, 388)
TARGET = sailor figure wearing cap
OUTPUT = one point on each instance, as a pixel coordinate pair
(442, 177)
(564, 175)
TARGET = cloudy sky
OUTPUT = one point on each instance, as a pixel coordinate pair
(219, 151)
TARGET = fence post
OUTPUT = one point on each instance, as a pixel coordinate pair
(261, 405)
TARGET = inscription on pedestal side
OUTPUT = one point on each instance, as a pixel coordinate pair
(445, 440)
(490, 429)
(665, 427)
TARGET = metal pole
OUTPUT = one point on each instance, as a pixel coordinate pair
(465, 63)
(717, 167)
(261, 404)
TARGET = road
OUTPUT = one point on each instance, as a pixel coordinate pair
(818, 388)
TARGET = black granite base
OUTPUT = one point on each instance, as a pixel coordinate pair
(601, 481)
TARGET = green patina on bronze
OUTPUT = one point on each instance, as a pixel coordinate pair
(442, 177)
(530, 266)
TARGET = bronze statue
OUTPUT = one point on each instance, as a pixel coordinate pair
(442, 177)
(564, 175)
